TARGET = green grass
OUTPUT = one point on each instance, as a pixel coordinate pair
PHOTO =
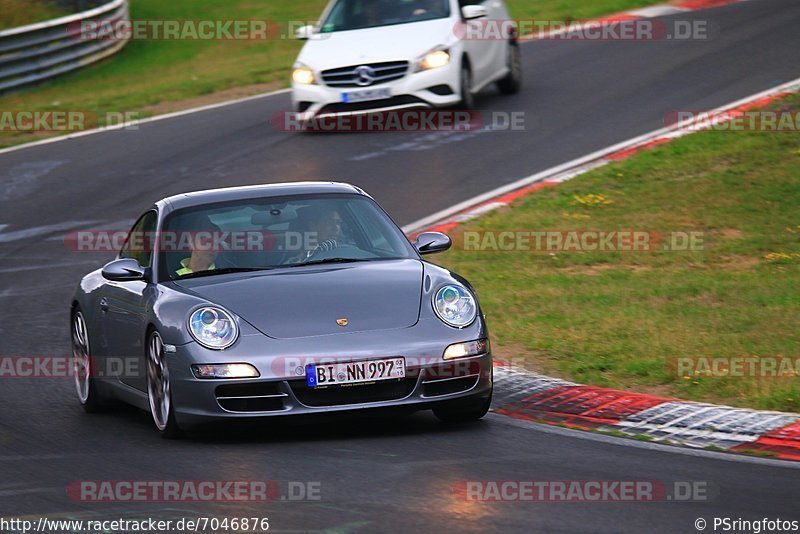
(762, 454)
(14, 13)
(617, 319)
(152, 77)
(570, 10)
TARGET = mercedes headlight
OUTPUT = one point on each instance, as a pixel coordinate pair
(213, 327)
(455, 305)
(303, 75)
(433, 60)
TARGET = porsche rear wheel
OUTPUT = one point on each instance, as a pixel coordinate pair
(159, 391)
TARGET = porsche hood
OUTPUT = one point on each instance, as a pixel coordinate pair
(321, 300)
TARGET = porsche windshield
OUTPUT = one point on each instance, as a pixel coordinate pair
(278, 232)
(359, 14)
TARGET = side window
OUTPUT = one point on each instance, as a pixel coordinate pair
(139, 243)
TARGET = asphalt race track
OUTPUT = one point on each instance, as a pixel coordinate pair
(394, 475)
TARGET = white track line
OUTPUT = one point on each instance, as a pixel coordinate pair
(132, 124)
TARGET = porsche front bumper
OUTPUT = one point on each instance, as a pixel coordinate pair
(281, 389)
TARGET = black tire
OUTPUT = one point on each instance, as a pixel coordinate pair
(465, 87)
(308, 125)
(159, 390)
(464, 411)
(84, 370)
(512, 83)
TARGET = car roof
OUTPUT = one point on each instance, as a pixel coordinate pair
(198, 198)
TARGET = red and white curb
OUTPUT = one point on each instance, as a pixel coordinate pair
(525, 395)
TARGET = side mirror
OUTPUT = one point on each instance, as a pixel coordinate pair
(123, 270)
(474, 12)
(432, 242)
(304, 33)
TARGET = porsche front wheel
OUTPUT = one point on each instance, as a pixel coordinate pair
(463, 411)
(159, 391)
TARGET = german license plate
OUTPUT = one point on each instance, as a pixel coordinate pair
(335, 374)
(366, 96)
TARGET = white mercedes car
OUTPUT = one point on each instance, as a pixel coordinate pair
(370, 56)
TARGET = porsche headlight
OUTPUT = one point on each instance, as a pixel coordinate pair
(455, 305)
(433, 60)
(213, 327)
(303, 75)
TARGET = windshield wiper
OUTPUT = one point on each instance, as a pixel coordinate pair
(227, 270)
(329, 260)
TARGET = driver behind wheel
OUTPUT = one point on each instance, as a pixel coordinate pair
(202, 258)
(326, 227)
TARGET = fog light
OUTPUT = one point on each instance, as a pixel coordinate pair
(465, 350)
(225, 370)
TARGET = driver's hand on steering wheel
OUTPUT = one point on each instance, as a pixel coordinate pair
(325, 246)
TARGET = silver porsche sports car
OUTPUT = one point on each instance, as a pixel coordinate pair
(277, 300)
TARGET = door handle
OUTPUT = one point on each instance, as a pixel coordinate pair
(104, 304)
